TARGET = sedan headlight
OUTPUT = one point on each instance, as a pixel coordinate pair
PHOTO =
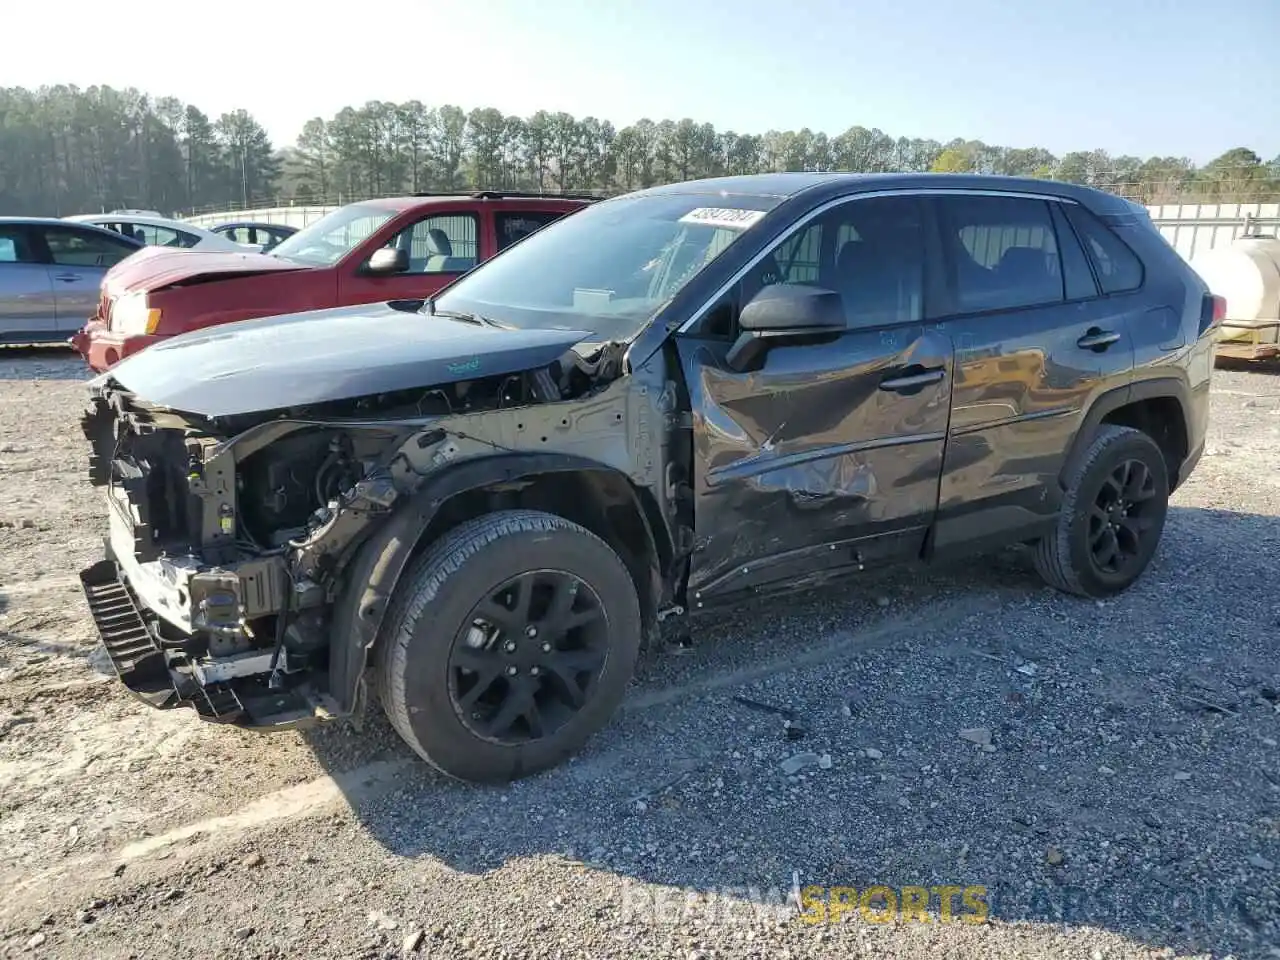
(132, 316)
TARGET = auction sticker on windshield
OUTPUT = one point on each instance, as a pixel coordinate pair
(728, 217)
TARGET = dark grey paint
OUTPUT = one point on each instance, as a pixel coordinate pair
(305, 358)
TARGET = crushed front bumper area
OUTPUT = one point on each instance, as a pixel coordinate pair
(165, 677)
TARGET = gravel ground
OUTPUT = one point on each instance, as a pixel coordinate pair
(1107, 775)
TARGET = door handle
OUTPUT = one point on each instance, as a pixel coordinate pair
(1097, 339)
(913, 381)
(67, 277)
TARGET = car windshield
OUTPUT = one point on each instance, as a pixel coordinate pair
(332, 237)
(609, 268)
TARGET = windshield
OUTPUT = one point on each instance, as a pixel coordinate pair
(332, 237)
(608, 268)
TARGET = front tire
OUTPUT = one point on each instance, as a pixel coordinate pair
(1112, 516)
(508, 645)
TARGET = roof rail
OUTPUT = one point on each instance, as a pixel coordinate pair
(506, 194)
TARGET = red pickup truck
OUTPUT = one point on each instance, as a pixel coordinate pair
(398, 248)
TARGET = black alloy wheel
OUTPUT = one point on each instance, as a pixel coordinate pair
(529, 657)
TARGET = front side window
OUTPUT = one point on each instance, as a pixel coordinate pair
(14, 245)
(440, 244)
(69, 247)
(870, 251)
(610, 267)
(335, 235)
(1003, 250)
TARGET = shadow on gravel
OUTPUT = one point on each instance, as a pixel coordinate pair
(1270, 366)
(1051, 759)
(44, 362)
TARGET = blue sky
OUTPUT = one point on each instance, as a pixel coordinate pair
(1141, 77)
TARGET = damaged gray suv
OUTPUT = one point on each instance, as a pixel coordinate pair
(475, 509)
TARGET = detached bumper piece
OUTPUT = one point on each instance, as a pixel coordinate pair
(165, 678)
(138, 660)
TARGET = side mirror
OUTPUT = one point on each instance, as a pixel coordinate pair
(388, 260)
(784, 311)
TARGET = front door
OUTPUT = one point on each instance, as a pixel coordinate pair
(826, 458)
(439, 248)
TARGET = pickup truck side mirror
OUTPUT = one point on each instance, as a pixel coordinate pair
(388, 260)
(784, 311)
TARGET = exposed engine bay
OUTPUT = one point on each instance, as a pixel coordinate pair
(230, 537)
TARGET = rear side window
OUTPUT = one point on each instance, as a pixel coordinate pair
(157, 236)
(516, 226)
(1118, 268)
(1003, 250)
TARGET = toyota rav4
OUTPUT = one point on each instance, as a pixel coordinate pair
(477, 508)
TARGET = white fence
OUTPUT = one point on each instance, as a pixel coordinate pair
(1190, 227)
(1195, 227)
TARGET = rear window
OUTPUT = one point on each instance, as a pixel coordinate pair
(1117, 267)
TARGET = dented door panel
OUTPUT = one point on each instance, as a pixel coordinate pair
(807, 462)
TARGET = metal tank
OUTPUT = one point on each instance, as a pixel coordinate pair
(1246, 273)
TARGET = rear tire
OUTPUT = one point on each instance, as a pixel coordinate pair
(508, 645)
(1112, 516)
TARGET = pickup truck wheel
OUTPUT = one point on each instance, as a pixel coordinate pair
(1112, 516)
(509, 644)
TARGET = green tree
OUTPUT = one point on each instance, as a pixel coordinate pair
(314, 169)
(250, 165)
(64, 149)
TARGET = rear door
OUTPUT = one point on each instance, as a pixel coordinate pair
(79, 259)
(1034, 343)
(27, 307)
(827, 456)
(441, 246)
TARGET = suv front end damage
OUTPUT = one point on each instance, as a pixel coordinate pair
(233, 537)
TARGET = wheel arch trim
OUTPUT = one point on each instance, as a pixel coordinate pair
(370, 578)
(1154, 388)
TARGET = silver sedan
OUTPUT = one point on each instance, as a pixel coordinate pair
(50, 274)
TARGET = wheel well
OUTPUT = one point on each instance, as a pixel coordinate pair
(601, 501)
(1162, 419)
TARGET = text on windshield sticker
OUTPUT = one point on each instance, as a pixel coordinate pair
(723, 217)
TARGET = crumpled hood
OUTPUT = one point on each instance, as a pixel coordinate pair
(322, 355)
(154, 268)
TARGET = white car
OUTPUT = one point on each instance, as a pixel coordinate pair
(163, 232)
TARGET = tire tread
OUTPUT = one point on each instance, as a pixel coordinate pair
(1051, 554)
(423, 581)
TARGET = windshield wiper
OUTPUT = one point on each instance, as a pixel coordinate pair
(474, 318)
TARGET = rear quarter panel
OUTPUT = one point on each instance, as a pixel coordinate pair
(1168, 343)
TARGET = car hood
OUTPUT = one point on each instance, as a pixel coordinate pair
(155, 268)
(300, 359)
